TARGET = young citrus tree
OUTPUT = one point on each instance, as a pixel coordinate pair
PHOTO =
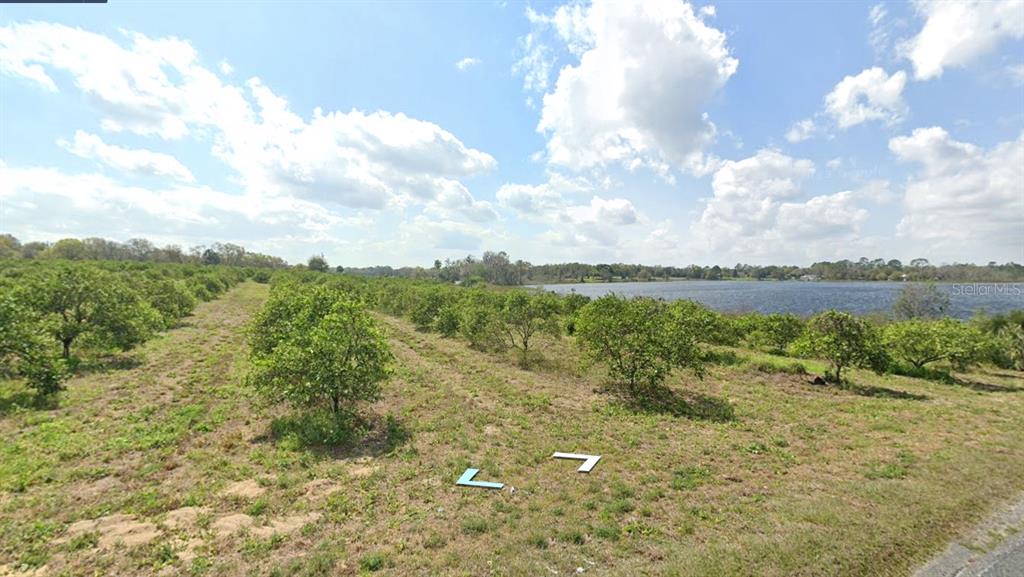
(775, 332)
(24, 350)
(82, 301)
(318, 347)
(637, 339)
(525, 315)
(920, 342)
(841, 338)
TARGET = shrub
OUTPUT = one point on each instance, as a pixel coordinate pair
(426, 309)
(24, 351)
(83, 301)
(447, 321)
(571, 304)
(706, 325)
(317, 347)
(524, 315)
(638, 340)
(844, 340)
(774, 332)
(480, 323)
(920, 342)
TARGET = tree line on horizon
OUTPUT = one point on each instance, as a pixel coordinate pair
(136, 249)
(496, 267)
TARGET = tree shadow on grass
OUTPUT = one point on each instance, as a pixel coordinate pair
(882, 392)
(985, 387)
(12, 401)
(105, 364)
(666, 401)
(342, 436)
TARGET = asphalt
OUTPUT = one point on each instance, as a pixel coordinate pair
(993, 549)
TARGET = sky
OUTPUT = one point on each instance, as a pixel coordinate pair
(657, 132)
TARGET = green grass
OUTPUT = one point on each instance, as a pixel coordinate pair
(750, 470)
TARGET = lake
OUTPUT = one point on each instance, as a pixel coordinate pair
(807, 298)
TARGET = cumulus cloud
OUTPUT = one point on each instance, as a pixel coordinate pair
(331, 160)
(871, 95)
(467, 63)
(136, 161)
(756, 212)
(963, 200)
(95, 205)
(956, 34)
(801, 131)
(571, 222)
(637, 92)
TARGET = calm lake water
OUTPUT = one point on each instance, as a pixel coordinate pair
(807, 298)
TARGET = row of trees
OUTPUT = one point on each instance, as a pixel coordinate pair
(498, 268)
(136, 249)
(641, 340)
(51, 309)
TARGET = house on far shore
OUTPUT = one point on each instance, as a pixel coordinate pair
(810, 278)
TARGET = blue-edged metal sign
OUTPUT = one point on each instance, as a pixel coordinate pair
(466, 480)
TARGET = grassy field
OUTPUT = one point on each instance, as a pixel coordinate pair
(166, 464)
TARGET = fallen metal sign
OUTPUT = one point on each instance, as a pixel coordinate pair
(588, 460)
(466, 480)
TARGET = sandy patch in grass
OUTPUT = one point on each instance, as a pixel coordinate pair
(247, 489)
(231, 524)
(184, 518)
(286, 525)
(116, 528)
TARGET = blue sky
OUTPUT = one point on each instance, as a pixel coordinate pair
(659, 132)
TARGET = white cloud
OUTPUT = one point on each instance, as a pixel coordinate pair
(467, 63)
(755, 213)
(157, 87)
(226, 68)
(870, 95)
(136, 161)
(964, 201)
(1016, 74)
(636, 96)
(534, 64)
(958, 33)
(801, 131)
(571, 222)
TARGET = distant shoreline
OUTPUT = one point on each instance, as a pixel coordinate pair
(771, 280)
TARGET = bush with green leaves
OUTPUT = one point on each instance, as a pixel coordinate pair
(571, 305)
(425, 311)
(638, 340)
(1004, 344)
(171, 299)
(706, 325)
(1010, 340)
(76, 302)
(523, 315)
(773, 332)
(920, 342)
(480, 322)
(25, 351)
(447, 321)
(843, 340)
(317, 346)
